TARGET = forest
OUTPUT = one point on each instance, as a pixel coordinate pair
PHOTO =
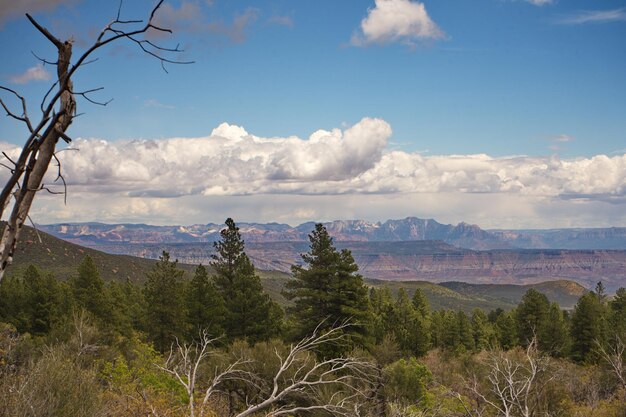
(217, 345)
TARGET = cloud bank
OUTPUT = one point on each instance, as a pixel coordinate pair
(401, 21)
(162, 179)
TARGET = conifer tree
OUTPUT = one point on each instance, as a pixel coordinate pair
(381, 302)
(466, 335)
(588, 327)
(481, 329)
(205, 306)
(88, 290)
(409, 326)
(554, 337)
(531, 316)
(506, 332)
(618, 315)
(41, 302)
(420, 302)
(250, 313)
(328, 290)
(165, 313)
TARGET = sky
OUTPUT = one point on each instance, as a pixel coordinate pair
(502, 113)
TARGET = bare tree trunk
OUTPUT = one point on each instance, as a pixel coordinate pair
(57, 111)
(38, 159)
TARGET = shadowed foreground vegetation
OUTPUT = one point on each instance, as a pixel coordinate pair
(217, 345)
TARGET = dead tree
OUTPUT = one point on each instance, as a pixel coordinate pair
(515, 385)
(58, 109)
(615, 356)
(297, 386)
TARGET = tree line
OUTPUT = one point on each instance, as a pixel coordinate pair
(143, 336)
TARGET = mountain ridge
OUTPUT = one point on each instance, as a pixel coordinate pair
(463, 234)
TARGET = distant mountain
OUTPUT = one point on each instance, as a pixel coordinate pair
(62, 258)
(462, 235)
(411, 228)
(601, 238)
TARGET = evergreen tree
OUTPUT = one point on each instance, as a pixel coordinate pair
(466, 334)
(88, 290)
(420, 303)
(451, 336)
(127, 306)
(381, 302)
(531, 316)
(481, 329)
(588, 327)
(165, 315)
(250, 313)
(409, 326)
(554, 338)
(205, 306)
(328, 290)
(41, 303)
(618, 315)
(506, 332)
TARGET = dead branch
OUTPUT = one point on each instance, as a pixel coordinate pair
(514, 385)
(58, 109)
(613, 355)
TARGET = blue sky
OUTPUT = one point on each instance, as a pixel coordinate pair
(537, 87)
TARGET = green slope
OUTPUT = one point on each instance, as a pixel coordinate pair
(62, 258)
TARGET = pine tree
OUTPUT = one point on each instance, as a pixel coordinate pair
(328, 290)
(88, 290)
(554, 337)
(41, 303)
(205, 306)
(165, 315)
(250, 313)
(618, 315)
(381, 302)
(531, 316)
(506, 332)
(588, 327)
(466, 335)
(481, 329)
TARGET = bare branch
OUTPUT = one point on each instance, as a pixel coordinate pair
(45, 32)
(45, 61)
(24, 117)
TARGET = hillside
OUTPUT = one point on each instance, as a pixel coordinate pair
(62, 258)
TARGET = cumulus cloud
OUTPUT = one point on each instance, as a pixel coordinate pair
(348, 172)
(36, 73)
(11, 9)
(402, 21)
(232, 161)
(595, 16)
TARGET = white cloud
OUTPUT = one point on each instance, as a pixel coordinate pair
(402, 21)
(562, 138)
(154, 103)
(595, 16)
(36, 73)
(190, 16)
(10, 9)
(540, 2)
(281, 20)
(337, 173)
